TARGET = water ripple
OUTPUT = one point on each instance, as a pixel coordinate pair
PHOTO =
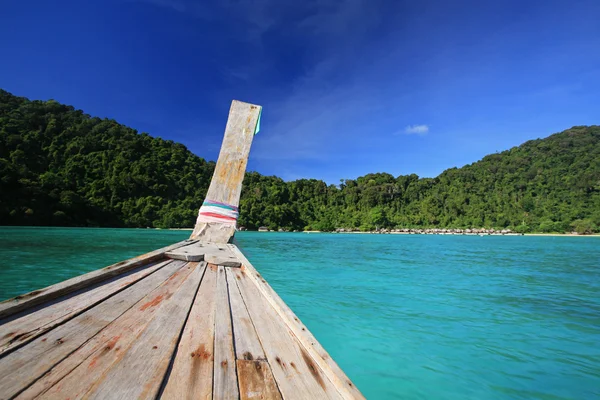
(443, 317)
(413, 317)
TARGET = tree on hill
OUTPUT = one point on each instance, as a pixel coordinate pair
(60, 166)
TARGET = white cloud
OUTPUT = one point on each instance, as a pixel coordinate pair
(416, 130)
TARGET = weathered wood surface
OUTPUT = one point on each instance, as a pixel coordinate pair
(191, 376)
(192, 252)
(247, 344)
(213, 253)
(226, 183)
(139, 374)
(310, 344)
(225, 260)
(25, 301)
(225, 378)
(22, 367)
(256, 381)
(184, 331)
(84, 369)
(22, 329)
(296, 374)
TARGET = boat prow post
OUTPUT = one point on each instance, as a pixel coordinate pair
(217, 217)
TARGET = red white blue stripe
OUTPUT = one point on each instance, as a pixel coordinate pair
(216, 211)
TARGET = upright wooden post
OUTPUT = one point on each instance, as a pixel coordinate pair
(217, 217)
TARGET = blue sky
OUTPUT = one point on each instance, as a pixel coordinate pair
(348, 86)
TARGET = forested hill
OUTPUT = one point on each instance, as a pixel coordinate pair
(59, 166)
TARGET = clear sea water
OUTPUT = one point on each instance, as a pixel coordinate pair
(412, 317)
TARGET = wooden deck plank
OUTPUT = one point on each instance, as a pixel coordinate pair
(209, 252)
(225, 378)
(256, 381)
(296, 374)
(25, 328)
(22, 367)
(191, 376)
(310, 344)
(78, 373)
(25, 301)
(247, 345)
(140, 373)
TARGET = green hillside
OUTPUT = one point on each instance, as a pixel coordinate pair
(59, 166)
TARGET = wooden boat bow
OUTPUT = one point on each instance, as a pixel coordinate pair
(194, 320)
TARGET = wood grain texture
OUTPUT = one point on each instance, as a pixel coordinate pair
(191, 376)
(81, 371)
(256, 381)
(25, 301)
(226, 183)
(22, 329)
(308, 341)
(225, 260)
(140, 373)
(247, 344)
(225, 378)
(296, 374)
(191, 252)
(24, 366)
(209, 252)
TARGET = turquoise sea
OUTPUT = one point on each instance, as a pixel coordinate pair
(412, 317)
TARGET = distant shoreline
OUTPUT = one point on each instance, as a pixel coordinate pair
(439, 234)
(466, 234)
(562, 234)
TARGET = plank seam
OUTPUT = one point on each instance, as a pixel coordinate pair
(85, 342)
(28, 300)
(232, 331)
(94, 391)
(165, 379)
(33, 337)
(259, 339)
(212, 385)
(327, 369)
